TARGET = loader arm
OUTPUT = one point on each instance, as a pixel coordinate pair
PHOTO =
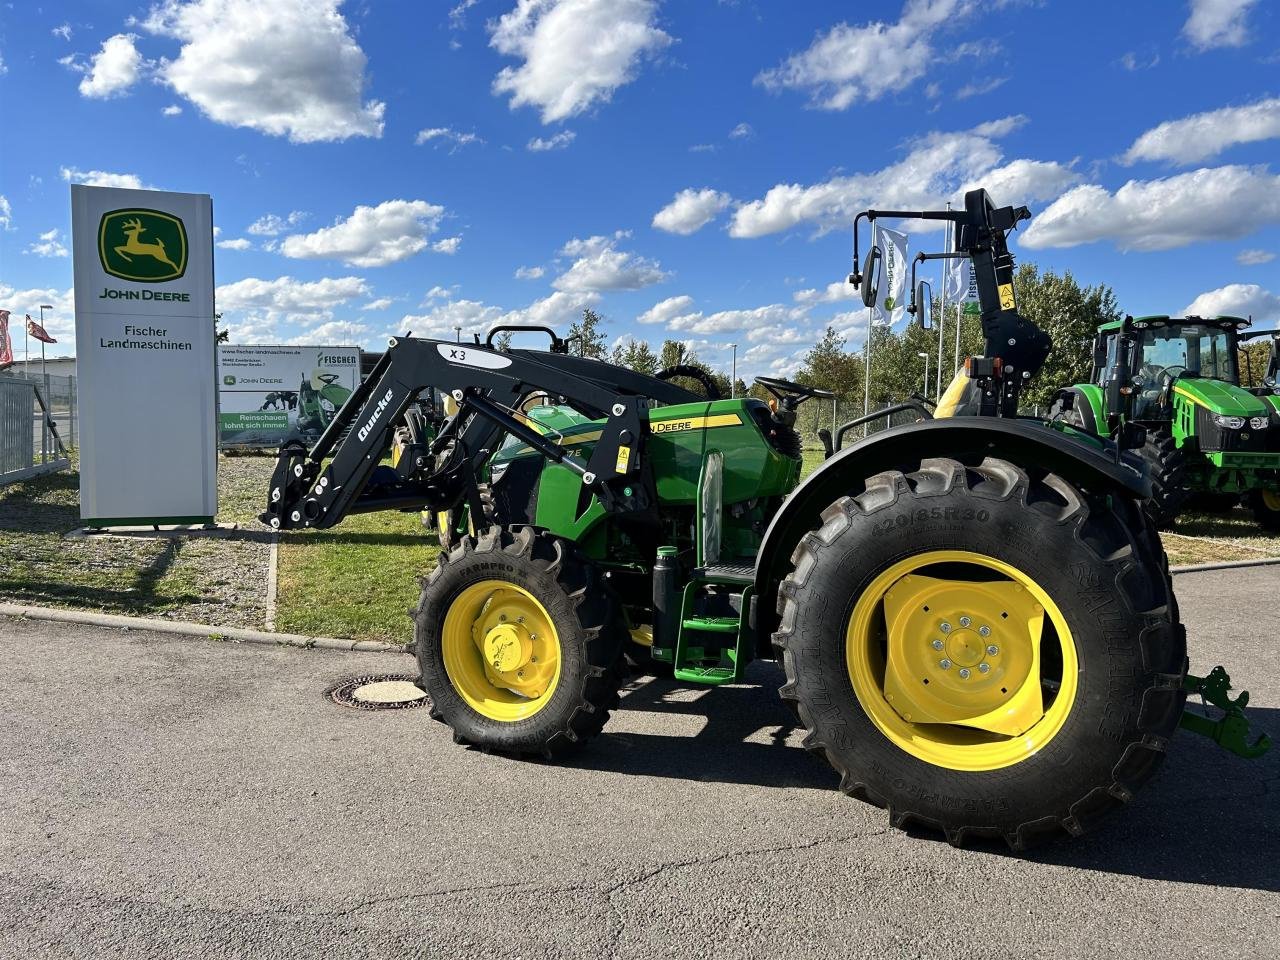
(487, 384)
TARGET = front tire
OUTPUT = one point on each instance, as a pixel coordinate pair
(1025, 748)
(519, 643)
(1167, 467)
(1265, 505)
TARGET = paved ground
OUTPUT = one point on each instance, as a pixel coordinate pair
(181, 798)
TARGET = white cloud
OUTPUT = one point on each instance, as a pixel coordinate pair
(557, 142)
(380, 304)
(287, 68)
(101, 178)
(335, 333)
(6, 213)
(447, 245)
(172, 110)
(936, 166)
(742, 131)
(834, 292)
(559, 309)
(1204, 135)
(63, 31)
(113, 69)
(303, 301)
(392, 231)
(1217, 23)
(270, 225)
(978, 87)
(470, 315)
(458, 15)
(1252, 258)
(1132, 62)
(1023, 181)
(758, 320)
(664, 311)
(1236, 300)
(439, 293)
(599, 265)
(61, 322)
(238, 243)
(691, 210)
(860, 63)
(576, 53)
(454, 138)
(529, 273)
(48, 245)
(1213, 203)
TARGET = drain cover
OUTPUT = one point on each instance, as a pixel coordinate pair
(388, 691)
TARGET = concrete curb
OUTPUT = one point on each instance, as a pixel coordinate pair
(233, 634)
(1225, 565)
(269, 616)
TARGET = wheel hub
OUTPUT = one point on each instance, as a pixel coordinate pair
(515, 639)
(965, 653)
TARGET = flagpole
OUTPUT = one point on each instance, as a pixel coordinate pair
(942, 318)
(866, 370)
(26, 349)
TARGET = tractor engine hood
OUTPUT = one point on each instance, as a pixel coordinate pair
(1220, 397)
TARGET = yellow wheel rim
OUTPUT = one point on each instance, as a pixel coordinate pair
(501, 651)
(1271, 500)
(961, 660)
(642, 635)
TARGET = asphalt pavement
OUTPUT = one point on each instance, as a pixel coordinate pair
(173, 797)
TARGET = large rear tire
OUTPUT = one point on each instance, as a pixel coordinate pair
(1265, 505)
(519, 644)
(983, 652)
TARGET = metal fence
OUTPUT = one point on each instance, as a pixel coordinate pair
(28, 447)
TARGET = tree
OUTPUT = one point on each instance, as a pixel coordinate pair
(590, 339)
(829, 366)
(674, 353)
(502, 341)
(636, 355)
(220, 336)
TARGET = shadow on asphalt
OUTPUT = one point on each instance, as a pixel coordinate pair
(1206, 818)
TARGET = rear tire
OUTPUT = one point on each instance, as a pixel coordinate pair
(1213, 502)
(1101, 567)
(1265, 505)
(1167, 467)
(574, 603)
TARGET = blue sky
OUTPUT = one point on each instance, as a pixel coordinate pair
(688, 169)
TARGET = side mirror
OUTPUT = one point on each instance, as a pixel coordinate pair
(924, 305)
(871, 277)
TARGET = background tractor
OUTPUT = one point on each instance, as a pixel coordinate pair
(973, 614)
(1209, 441)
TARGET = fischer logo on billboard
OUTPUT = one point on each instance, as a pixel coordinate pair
(382, 405)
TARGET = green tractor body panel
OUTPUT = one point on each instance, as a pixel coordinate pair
(1219, 397)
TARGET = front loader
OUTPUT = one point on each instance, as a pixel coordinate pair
(974, 615)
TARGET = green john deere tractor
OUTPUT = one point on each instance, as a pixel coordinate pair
(973, 614)
(1209, 442)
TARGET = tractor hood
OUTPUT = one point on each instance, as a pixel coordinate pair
(1220, 397)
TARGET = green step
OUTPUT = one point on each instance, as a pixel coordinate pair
(712, 624)
(710, 676)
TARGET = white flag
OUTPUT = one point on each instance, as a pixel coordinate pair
(957, 281)
(891, 306)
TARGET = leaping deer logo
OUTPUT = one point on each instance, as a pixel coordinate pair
(133, 229)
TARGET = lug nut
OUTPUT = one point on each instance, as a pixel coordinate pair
(992, 649)
(944, 663)
(984, 631)
(937, 644)
(984, 668)
(502, 616)
(946, 627)
(964, 673)
(965, 621)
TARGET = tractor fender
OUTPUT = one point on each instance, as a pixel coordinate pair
(1027, 442)
(1086, 398)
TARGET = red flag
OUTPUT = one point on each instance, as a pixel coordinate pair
(37, 331)
(6, 345)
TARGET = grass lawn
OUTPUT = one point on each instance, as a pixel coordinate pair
(208, 580)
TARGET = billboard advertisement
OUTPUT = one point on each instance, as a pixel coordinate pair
(143, 262)
(267, 394)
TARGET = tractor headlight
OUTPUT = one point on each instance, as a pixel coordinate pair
(1228, 423)
(1259, 423)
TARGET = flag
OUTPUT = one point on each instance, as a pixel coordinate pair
(891, 307)
(38, 331)
(958, 280)
(6, 345)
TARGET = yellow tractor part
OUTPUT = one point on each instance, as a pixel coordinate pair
(501, 650)
(944, 651)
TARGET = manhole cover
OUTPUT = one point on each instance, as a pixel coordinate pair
(390, 691)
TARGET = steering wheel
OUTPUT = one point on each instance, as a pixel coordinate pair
(789, 394)
(693, 373)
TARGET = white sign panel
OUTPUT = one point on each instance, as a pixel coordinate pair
(892, 305)
(145, 358)
(267, 394)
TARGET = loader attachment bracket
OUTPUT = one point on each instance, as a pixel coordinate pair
(1231, 730)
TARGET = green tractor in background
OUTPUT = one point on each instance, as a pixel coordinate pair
(1211, 443)
(320, 396)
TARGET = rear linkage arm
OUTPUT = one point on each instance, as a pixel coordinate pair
(1231, 731)
(487, 384)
